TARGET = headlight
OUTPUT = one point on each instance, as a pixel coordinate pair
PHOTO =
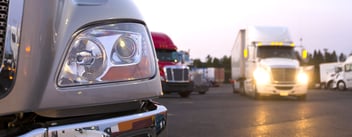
(302, 77)
(108, 53)
(261, 75)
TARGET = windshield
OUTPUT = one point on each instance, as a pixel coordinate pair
(276, 51)
(184, 56)
(167, 55)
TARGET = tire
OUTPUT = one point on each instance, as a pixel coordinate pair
(233, 89)
(202, 92)
(242, 89)
(257, 96)
(185, 94)
(341, 86)
(323, 85)
(302, 97)
(329, 85)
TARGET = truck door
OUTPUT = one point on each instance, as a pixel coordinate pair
(348, 75)
(249, 69)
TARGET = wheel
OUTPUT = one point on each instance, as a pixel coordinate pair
(323, 85)
(242, 90)
(329, 85)
(257, 96)
(341, 86)
(202, 92)
(185, 94)
(234, 91)
(302, 97)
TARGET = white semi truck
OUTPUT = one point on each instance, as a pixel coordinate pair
(343, 74)
(264, 63)
(77, 68)
(328, 73)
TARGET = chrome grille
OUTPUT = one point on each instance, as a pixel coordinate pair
(177, 74)
(284, 75)
(4, 4)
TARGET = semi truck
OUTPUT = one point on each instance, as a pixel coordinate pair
(175, 76)
(343, 76)
(328, 73)
(264, 63)
(77, 68)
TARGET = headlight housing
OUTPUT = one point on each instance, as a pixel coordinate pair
(108, 53)
(262, 75)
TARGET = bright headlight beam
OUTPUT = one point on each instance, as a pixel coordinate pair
(262, 76)
(126, 48)
(122, 43)
(302, 78)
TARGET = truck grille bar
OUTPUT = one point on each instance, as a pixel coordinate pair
(284, 75)
(177, 74)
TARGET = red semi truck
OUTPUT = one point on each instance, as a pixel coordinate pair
(175, 76)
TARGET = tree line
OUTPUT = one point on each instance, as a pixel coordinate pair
(224, 62)
(319, 56)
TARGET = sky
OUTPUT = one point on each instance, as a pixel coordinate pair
(209, 27)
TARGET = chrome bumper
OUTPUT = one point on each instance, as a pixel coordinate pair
(150, 123)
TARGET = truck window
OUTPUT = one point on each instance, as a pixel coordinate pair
(167, 55)
(276, 51)
(348, 67)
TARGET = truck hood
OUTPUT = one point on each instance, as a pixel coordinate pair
(162, 64)
(280, 63)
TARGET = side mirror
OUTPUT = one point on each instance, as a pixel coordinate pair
(338, 69)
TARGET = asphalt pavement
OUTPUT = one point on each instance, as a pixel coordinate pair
(220, 113)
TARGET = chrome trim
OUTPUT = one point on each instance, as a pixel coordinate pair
(41, 132)
(90, 2)
(9, 60)
(173, 76)
(95, 128)
(13, 29)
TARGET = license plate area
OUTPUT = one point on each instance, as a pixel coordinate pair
(283, 93)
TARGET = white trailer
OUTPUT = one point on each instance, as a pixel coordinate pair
(264, 63)
(216, 76)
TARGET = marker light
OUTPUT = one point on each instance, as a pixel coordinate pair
(245, 53)
(108, 53)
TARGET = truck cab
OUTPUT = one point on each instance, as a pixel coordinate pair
(77, 68)
(328, 73)
(175, 76)
(264, 63)
(343, 74)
